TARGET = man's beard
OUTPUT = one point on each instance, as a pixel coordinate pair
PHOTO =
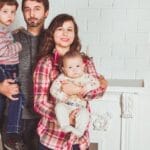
(34, 22)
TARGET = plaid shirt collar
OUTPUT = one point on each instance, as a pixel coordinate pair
(55, 58)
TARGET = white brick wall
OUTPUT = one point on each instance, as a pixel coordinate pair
(116, 32)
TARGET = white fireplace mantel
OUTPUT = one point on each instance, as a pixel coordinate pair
(119, 120)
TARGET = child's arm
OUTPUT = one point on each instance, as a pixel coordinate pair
(7, 46)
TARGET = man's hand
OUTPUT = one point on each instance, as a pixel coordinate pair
(8, 88)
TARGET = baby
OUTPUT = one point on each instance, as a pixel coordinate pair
(74, 72)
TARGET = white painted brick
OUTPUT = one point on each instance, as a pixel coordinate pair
(97, 50)
(100, 69)
(18, 21)
(140, 14)
(113, 37)
(125, 25)
(113, 14)
(88, 14)
(143, 50)
(73, 4)
(82, 25)
(144, 3)
(144, 26)
(100, 25)
(64, 10)
(112, 63)
(123, 49)
(144, 74)
(100, 3)
(54, 9)
(126, 4)
(137, 63)
(54, 4)
(92, 38)
(123, 74)
(137, 38)
(97, 62)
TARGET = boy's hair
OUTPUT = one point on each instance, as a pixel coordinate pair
(8, 2)
(44, 2)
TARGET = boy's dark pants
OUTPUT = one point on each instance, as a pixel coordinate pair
(14, 107)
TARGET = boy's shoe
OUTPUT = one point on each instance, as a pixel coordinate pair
(14, 144)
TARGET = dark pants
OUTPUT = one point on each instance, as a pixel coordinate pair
(42, 147)
(14, 107)
(30, 137)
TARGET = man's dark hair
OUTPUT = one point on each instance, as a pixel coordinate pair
(8, 2)
(44, 2)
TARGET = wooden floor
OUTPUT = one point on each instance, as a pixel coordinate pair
(93, 146)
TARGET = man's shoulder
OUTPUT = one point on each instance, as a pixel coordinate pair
(20, 34)
(18, 30)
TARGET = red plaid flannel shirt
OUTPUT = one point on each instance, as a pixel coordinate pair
(48, 130)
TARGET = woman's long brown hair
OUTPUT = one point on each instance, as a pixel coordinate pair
(48, 44)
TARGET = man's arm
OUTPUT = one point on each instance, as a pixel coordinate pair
(8, 88)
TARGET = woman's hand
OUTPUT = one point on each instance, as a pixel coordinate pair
(70, 88)
(103, 82)
(8, 88)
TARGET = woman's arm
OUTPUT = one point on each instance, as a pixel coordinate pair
(103, 82)
(90, 68)
(41, 80)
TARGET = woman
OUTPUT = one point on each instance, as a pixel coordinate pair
(61, 37)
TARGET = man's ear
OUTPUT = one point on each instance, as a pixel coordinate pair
(46, 13)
